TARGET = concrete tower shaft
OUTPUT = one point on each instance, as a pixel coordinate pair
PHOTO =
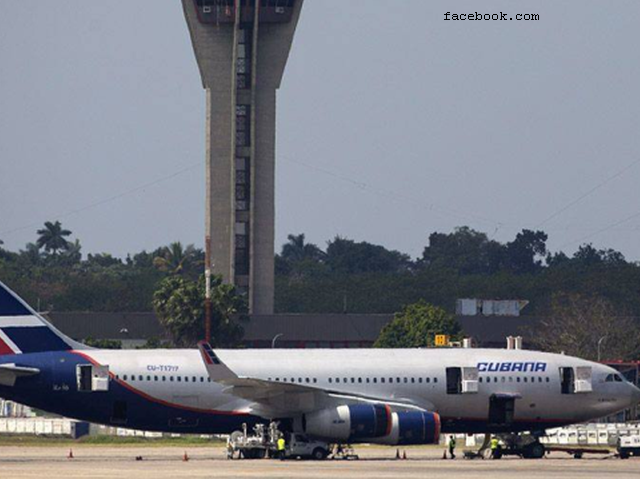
(242, 47)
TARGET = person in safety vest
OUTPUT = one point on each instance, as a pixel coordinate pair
(496, 450)
(452, 446)
(281, 446)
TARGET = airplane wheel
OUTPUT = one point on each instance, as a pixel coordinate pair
(534, 451)
(319, 454)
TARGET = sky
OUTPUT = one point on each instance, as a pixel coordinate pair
(392, 123)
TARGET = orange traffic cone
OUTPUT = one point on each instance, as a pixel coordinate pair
(70, 455)
(444, 454)
(397, 454)
(185, 458)
(404, 455)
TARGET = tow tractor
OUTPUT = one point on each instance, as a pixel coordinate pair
(628, 446)
(262, 443)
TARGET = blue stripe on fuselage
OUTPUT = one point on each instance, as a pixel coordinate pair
(55, 390)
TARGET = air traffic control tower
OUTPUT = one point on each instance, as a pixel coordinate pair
(242, 47)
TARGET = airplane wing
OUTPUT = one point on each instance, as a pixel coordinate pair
(10, 372)
(273, 398)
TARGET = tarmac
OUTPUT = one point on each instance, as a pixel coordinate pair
(97, 462)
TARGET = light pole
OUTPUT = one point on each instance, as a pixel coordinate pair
(275, 338)
(600, 341)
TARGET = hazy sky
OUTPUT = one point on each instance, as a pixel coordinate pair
(392, 123)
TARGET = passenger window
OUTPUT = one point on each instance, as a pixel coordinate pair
(164, 378)
(510, 379)
(329, 380)
(525, 379)
(194, 379)
(518, 379)
(353, 380)
(480, 379)
(375, 380)
(398, 380)
(413, 380)
(360, 380)
(367, 380)
(420, 380)
(390, 380)
(148, 378)
(337, 380)
(124, 377)
(315, 380)
(503, 379)
(179, 378)
(155, 378)
(435, 380)
(428, 380)
(186, 379)
(382, 380)
(171, 378)
(406, 380)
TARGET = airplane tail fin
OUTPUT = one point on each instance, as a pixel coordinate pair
(23, 331)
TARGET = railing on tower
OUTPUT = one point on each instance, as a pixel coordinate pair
(223, 11)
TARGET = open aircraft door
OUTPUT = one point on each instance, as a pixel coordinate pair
(576, 380)
(462, 380)
(92, 378)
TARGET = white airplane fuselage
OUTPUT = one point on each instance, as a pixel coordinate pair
(169, 390)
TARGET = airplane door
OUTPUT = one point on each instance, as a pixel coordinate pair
(567, 379)
(501, 410)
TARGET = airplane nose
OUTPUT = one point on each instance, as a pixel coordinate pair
(635, 395)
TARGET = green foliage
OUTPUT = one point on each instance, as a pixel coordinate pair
(180, 306)
(103, 343)
(177, 260)
(416, 327)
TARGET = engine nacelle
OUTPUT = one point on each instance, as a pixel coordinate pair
(372, 424)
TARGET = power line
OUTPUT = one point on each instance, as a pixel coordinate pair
(588, 193)
(602, 230)
(395, 195)
(107, 200)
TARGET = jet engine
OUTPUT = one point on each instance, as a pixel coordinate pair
(372, 424)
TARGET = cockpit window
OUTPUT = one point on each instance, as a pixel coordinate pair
(614, 378)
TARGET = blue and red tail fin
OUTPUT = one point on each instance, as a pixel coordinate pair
(23, 331)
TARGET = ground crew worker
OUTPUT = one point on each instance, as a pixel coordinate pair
(452, 446)
(281, 446)
(495, 448)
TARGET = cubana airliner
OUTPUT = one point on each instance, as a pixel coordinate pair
(379, 396)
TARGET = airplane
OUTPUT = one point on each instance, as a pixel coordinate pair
(383, 396)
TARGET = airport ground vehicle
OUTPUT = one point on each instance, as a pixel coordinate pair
(262, 443)
(628, 446)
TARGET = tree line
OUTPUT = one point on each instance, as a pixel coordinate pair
(588, 299)
(344, 276)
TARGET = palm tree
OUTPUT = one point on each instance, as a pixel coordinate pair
(52, 238)
(175, 259)
(297, 250)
